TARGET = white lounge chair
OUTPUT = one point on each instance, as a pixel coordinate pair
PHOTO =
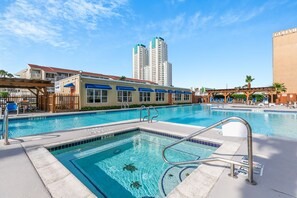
(261, 105)
(271, 105)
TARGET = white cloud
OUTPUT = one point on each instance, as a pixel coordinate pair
(243, 15)
(46, 20)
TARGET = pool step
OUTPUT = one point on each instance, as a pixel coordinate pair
(172, 176)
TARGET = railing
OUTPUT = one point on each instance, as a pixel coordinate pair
(157, 113)
(125, 105)
(5, 127)
(231, 162)
(141, 119)
(148, 116)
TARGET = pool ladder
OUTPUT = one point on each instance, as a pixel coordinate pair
(148, 116)
(4, 130)
(125, 105)
(231, 162)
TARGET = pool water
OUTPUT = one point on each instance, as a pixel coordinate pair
(130, 164)
(271, 124)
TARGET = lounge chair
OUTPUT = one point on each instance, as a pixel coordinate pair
(261, 105)
(271, 105)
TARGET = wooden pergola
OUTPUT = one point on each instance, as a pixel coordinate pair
(247, 91)
(20, 83)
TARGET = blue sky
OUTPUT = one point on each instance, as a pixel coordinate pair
(210, 43)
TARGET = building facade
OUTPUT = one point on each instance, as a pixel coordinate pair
(140, 61)
(167, 75)
(94, 92)
(285, 59)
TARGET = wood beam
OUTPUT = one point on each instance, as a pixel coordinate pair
(40, 89)
(32, 92)
(24, 84)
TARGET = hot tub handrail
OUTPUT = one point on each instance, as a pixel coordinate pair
(231, 162)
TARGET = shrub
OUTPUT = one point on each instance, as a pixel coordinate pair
(4, 94)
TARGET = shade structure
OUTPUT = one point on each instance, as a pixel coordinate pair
(97, 86)
(145, 90)
(69, 85)
(122, 88)
(187, 92)
(160, 91)
(170, 91)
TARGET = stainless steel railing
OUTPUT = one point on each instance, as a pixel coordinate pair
(231, 162)
(125, 105)
(157, 113)
(146, 116)
(5, 127)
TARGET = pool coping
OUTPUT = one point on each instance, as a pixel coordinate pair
(54, 174)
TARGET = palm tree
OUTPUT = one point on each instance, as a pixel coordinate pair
(122, 78)
(279, 88)
(4, 73)
(248, 80)
(9, 75)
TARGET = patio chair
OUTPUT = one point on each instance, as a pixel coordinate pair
(12, 107)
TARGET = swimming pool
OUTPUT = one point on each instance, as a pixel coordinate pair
(130, 164)
(271, 124)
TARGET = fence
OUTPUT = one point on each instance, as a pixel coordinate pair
(63, 103)
(28, 99)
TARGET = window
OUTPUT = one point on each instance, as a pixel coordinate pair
(160, 97)
(96, 96)
(186, 97)
(124, 96)
(50, 75)
(177, 97)
(144, 96)
(35, 74)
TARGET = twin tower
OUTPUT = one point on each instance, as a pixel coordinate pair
(152, 64)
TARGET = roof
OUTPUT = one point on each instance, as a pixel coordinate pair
(24, 83)
(61, 70)
(284, 32)
(253, 89)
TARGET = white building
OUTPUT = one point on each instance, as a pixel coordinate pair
(161, 69)
(167, 74)
(146, 72)
(140, 60)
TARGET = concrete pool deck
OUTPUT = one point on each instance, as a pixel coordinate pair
(20, 176)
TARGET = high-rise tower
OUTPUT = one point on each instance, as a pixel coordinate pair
(158, 61)
(140, 61)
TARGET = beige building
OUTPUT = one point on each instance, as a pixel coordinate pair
(285, 59)
(96, 91)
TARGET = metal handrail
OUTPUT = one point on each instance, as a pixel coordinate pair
(146, 116)
(231, 162)
(156, 115)
(5, 125)
(127, 104)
